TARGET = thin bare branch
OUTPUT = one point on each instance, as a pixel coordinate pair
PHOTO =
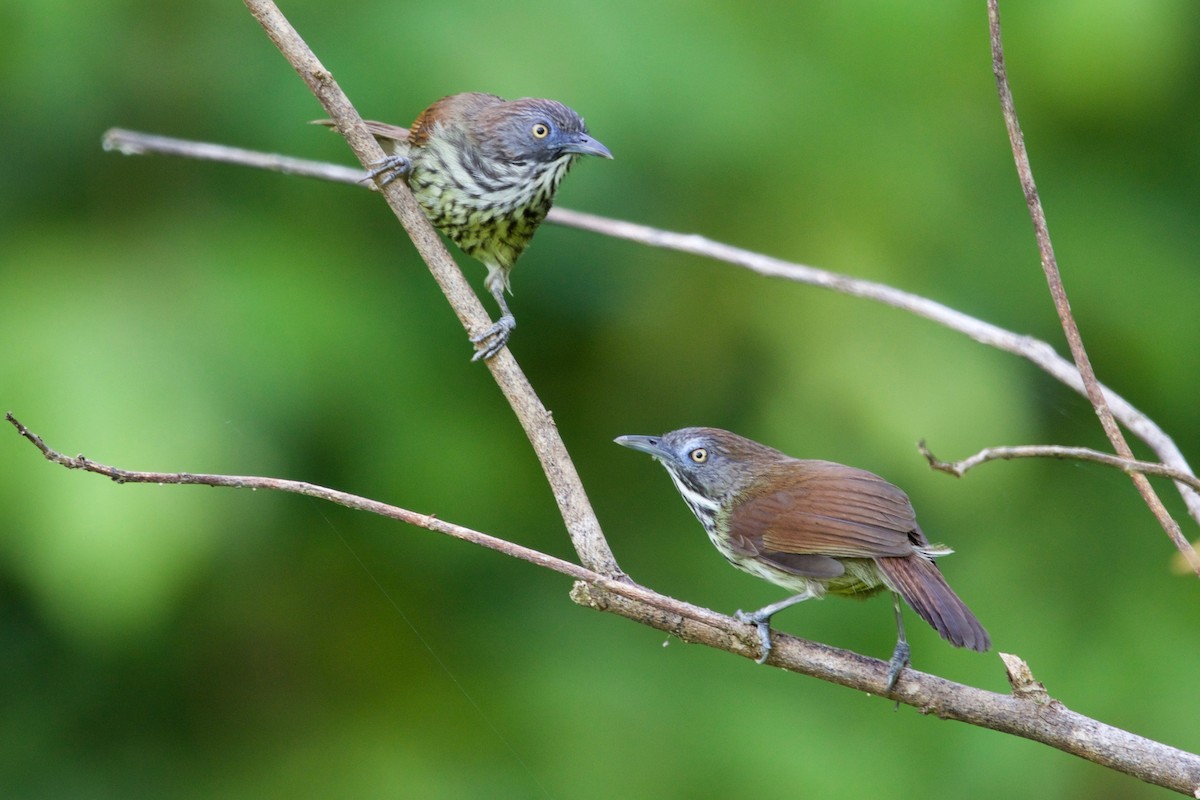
(1095, 393)
(577, 513)
(135, 143)
(1029, 712)
(1037, 352)
(959, 468)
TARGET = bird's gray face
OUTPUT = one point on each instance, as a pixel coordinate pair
(542, 131)
(698, 459)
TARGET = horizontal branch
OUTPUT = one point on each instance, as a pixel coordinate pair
(1029, 712)
(1037, 352)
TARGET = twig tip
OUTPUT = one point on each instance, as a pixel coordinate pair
(1020, 678)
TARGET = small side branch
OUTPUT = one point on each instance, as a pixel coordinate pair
(1127, 465)
(135, 143)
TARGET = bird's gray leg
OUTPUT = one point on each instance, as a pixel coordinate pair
(900, 655)
(497, 335)
(762, 618)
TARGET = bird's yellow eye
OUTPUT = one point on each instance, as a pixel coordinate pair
(699, 455)
(541, 130)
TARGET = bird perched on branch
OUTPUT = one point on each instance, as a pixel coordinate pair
(485, 171)
(812, 527)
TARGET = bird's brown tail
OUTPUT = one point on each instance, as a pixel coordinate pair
(920, 583)
(380, 130)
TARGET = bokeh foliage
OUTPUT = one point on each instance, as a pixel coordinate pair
(162, 314)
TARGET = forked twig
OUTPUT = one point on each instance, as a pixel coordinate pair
(1095, 393)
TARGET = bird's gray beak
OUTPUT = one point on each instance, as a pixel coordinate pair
(651, 445)
(585, 145)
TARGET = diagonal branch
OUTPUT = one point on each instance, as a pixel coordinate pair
(1058, 292)
(1028, 712)
(1037, 352)
(560, 471)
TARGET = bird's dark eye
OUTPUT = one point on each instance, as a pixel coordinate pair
(540, 130)
(699, 455)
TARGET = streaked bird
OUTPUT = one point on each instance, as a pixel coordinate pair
(485, 171)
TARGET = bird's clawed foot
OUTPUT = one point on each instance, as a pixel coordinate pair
(496, 337)
(764, 631)
(898, 662)
(391, 168)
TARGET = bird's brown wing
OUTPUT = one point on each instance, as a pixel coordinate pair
(829, 509)
(461, 107)
(455, 106)
(808, 565)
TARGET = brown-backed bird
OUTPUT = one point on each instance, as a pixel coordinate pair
(485, 171)
(812, 527)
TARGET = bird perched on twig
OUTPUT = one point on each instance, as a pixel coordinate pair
(485, 171)
(812, 527)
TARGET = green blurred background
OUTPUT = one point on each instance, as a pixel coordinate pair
(173, 315)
